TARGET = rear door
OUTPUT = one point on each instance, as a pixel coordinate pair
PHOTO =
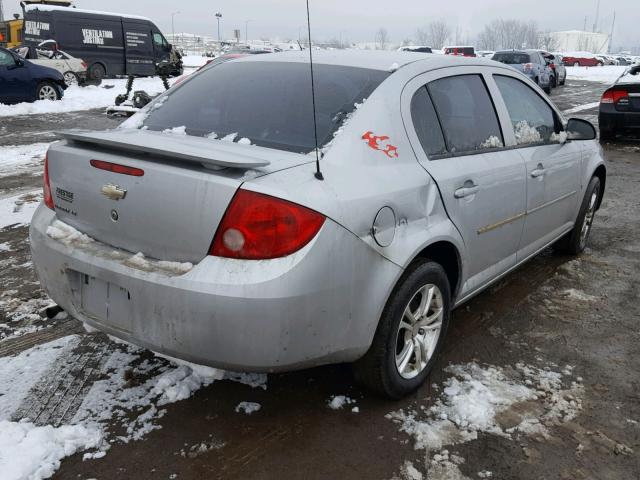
(553, 164)
(138, 45)
(454, 129)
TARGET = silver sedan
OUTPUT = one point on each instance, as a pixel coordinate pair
(206, 228)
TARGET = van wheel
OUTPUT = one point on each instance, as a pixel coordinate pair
(47, 91)
(97, 71)
(71, 78)
(575, 241)
(410, 334)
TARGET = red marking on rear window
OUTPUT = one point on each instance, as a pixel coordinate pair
(116, 168)
(379, 142)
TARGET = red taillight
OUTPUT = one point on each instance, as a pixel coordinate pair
(84, 64)
(259, 227)
(116, 168)
(48, 197)
(614, 96)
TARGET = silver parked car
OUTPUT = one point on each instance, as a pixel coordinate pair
(529, 62)
(204, 232)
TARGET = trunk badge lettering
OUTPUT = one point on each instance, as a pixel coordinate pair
(114, 192)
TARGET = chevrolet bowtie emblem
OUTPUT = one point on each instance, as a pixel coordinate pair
(114, 192)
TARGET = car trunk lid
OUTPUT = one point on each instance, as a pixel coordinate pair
(169, 212)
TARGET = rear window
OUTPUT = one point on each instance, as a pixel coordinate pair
(268, 103)
(512, 58)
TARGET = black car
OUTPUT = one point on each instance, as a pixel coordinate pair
(23, 81)
(620, 105)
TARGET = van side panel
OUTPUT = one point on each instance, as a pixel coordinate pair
(139, 52)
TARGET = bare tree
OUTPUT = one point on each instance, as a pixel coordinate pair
(438, 33)
(422, 37)
(381, 38)
(509, 34)
(548, 42)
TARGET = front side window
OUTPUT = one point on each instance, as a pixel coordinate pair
(466, 113)
(158, 39)
(425, 121)
(533, 120)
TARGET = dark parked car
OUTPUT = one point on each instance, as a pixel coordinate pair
(529, 62)
(620, 105)
(23, 81)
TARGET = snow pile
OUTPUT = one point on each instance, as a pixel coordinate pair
(176, 130)
(140, 262)
(67, 234)
(28, 451)
(16, 159)
(343, 126)
(248, 407)
(579, 295)
(526, 134)
(476, 399)
(337, 402)
(606, 74)
(491, 142)
(19, 209)
(83, 98)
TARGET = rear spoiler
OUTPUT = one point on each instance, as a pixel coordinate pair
(214, 154)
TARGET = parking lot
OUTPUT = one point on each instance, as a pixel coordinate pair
(539, 377)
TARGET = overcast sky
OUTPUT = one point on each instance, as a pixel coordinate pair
(358, 20)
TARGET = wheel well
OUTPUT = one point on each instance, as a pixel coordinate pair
(446, 254)
(601, 173)
(103, 65)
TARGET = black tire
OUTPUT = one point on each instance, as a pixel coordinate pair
(563, 81)
(574, 242)
(547, 89)
(554, 82)
(52, 89)
(377, 370)
(96, 71)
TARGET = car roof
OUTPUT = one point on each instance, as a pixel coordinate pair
(371, 59)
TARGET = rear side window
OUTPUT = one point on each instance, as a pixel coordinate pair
(267, 103)
(512, 58)
(425, 121)
(533, 120)
(6, 59)
(466, 113)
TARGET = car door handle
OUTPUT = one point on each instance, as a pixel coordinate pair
(466, 191)
(538, 172)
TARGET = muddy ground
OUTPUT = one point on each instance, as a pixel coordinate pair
(552, 312)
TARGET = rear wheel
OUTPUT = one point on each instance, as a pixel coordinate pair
(554, 82)
(547, 89)
(47, 91)
(71, 78)
(97, 71)
(576, 240)
(410, 334)
(576, 64)
(607, 135)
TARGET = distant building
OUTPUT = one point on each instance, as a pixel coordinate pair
(580, 41)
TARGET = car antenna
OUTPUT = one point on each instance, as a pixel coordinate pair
(318, 173)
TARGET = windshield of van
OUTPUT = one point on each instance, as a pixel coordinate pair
(265, 103)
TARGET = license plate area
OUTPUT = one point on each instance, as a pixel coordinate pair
(103, 301)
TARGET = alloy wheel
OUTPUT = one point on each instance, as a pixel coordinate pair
(70, 79)
(47, 92)
(588, 217)
(419, 330)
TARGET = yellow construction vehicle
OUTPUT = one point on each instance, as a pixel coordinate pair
(11, 33)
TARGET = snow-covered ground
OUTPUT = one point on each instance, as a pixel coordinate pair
(86, 98)
(606, 74)
(18, 209)
(124, 406)
(19, 159)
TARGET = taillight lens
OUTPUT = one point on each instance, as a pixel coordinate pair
(259, 227)
(614, 96)
(48, 197)
(117, 168)
(84, 64)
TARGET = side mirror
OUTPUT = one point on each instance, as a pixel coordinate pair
(578, 129)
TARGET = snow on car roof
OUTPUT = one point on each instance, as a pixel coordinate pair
(56, 8)
(372, 59)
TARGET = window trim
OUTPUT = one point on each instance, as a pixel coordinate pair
(557, 120)
(465, 153)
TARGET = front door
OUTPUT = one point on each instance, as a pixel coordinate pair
(455, 132)
(553, 165)
(15, 80)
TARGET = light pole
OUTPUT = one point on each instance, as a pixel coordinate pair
(246, 31)
(173, 28)
(218, 16)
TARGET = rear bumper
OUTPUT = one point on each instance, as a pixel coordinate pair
(320, 305)
(611, 119)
